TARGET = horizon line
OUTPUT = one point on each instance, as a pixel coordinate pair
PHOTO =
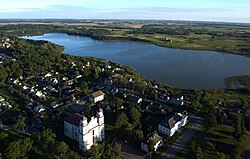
(117, 19)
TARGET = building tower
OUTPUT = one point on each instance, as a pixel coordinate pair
(100, 120)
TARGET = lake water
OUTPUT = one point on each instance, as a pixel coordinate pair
(181, 68)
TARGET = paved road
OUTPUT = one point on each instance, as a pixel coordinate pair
(185, 137)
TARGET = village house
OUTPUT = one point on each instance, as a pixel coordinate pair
(177, 101)
(96, 96)
(135, 99)
(87, 133)
(153, 139)
(170, 125)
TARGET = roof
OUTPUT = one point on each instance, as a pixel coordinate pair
(153, 138)
(74, 119)
(97, 94)
(170, 122)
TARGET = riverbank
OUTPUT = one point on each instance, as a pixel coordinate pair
(233, 39)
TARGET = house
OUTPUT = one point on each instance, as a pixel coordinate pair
(170, 125)
(39, 109)
(57, 103)
(108, 81)
(152, 139)
(96, 96)
(135, 99)
(70, 82)
(177, 101)
(87, 133)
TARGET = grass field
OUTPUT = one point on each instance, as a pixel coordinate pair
(220, 137)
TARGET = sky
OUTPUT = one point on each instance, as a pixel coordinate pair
(195, 10)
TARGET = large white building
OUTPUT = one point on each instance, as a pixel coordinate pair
(87, 133)
(173, 124)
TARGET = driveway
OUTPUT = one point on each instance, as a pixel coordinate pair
(185, 137)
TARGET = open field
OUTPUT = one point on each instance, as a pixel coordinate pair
(218, 140)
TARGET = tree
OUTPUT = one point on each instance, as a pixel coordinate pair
(48, 139)
(139, 135)
(196, 150)
(105, 151)
(237, 124)
(3, 74)
(210, 118)
(20, 124)
(222, 156)
(117, 150)
(198, 153)
(96, 151)
(86, 71)
(134, 116)
(74, 155)
(122, 120)
(84, 88)
(61, 148)
(116, 104)
(18, 149)
(3, 135)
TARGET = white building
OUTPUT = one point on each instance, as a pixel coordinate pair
(154, 139)
(96, 96)
(87, 133)
(173, 124)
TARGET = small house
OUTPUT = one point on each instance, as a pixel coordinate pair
(152, 141)
(96, 96)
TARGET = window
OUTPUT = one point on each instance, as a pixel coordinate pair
(75, 133)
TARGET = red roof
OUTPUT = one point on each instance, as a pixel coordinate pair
(74, 119)
(97, 94)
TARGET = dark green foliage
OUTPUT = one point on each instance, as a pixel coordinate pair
(20, 124)
(3, 74)
(105, 151)
(18, 149)
(117, 104)
(48, 140)
(34, 57)
(122, 120)
(61, 148)
(134, 116)
(196, 151)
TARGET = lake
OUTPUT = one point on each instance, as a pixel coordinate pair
(181, 68)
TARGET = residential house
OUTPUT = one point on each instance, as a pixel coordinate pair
(177, 101)
(153, 140)
(172, 124)
(87, 133)
(39, 109)
(96, 96)
(135, 98)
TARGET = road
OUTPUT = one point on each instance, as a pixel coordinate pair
(185, 137)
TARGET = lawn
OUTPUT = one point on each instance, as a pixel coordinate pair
(221, 138)
(109, 124)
